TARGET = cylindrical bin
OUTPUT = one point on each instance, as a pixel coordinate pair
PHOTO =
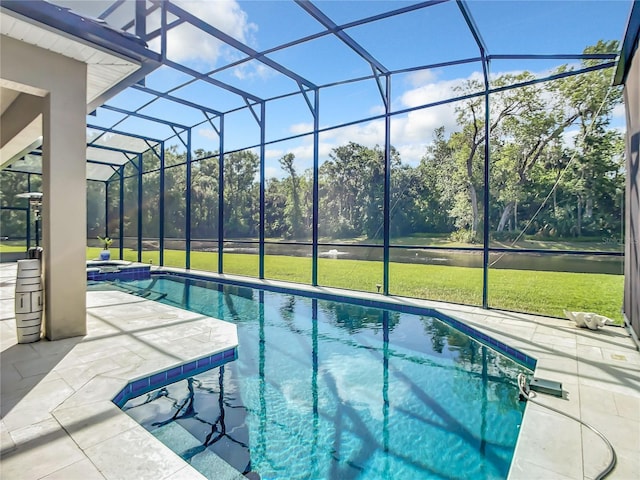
(29, 301)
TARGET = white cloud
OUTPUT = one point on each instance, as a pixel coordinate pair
(299, 128)
(251, 70)
(421, 77)
(207, 133)
(186, 42)
(368, 134)
(377, 110)
(410, 133)
(411, 153)
(434, 91)
(271, 153)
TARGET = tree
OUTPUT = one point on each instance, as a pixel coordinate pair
(435, 194)
(240, 194)
(294, 227)
(598, 149)
(13, 223)
(204, 196)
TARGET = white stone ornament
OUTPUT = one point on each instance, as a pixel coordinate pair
(589, 320)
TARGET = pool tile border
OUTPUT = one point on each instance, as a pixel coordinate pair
(123, 272)
(502, 348)
(146, 384)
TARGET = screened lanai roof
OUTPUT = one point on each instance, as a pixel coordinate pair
(273, 72)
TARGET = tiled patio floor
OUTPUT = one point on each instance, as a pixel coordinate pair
(58, 421)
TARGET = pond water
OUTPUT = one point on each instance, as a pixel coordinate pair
(583, 263)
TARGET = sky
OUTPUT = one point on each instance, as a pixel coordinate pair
(422, 37)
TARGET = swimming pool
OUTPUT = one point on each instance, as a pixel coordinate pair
(326, 389)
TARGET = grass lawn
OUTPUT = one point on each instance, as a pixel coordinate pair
(541, 292)
(11, 247)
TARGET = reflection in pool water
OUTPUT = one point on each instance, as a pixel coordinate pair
(326, 389)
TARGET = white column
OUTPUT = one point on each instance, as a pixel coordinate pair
(63, 83)
(64, 188)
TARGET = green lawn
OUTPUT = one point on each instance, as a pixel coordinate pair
(10, 247)
(542, 292)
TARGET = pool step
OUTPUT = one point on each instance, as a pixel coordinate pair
(191, 450)
(176, 438)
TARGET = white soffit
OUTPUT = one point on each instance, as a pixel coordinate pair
(104, 70)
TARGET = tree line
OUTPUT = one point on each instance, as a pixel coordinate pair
(556, 171)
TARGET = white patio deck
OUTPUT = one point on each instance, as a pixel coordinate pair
(58, 421)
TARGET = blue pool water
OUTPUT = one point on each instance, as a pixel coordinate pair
(332, 390)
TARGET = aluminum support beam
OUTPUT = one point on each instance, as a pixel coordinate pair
(387, 187)
(140, 194)
(175, 99)
(121, 213)
(187, 215)
(119, 132)
(106, 208)
(221, 198)
(144, 117)
(325, 21)
(262, 189)
(205, 78)
(316, 188)
(229, 40)
(112, 8)
(162, 205)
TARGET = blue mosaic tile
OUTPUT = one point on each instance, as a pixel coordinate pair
(139, 385)
(125, 273)
(204, 362)
(217, 357)
(188, 367)
(158, 380)
(119, 397)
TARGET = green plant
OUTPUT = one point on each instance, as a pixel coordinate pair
(463, 236)
(105, 241)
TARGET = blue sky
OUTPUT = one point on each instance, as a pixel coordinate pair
(430, 35)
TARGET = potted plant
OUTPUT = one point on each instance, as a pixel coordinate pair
(106, 242)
